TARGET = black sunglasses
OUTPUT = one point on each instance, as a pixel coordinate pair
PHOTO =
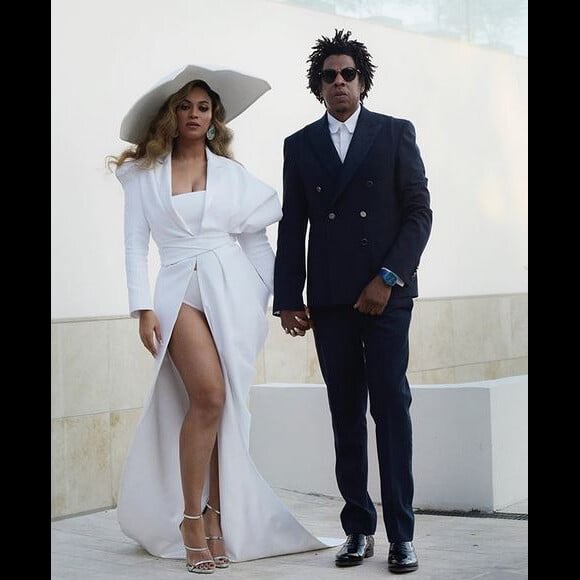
(348, 74)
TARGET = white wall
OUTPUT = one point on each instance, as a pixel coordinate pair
(469, 106)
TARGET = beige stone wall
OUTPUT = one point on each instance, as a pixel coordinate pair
(100, 375)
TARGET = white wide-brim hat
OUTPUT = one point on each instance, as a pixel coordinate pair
(237, 91)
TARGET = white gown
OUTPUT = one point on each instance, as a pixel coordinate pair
(234, 288)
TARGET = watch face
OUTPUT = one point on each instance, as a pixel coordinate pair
(388, 278)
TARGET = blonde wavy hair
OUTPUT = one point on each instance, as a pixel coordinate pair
(162, 129)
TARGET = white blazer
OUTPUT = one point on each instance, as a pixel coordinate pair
(236, 203)
(235, 287)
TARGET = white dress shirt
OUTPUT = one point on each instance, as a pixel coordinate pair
(341, 133)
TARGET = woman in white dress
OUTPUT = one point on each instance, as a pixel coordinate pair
(188, 478)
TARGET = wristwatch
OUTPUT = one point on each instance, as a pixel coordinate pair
(389, 278)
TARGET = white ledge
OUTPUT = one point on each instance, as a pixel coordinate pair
(469, 442)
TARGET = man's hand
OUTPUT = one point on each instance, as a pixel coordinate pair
(149, 330)
(374, 298)
(295, 322)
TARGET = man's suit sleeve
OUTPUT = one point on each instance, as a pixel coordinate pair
(290, 265)
(404, 255)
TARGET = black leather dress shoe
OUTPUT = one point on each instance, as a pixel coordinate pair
(356, 547)
(402, 558)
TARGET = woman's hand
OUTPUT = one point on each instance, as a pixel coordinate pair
(149, 330)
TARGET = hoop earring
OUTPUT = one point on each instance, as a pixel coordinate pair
(210, 133)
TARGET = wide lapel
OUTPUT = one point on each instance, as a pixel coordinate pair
(163, 182)
(319, 136)
(364, 134)
(214, 184)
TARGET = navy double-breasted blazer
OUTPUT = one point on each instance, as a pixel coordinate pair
(369, 212)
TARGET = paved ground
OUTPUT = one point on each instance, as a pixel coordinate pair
(449, 548)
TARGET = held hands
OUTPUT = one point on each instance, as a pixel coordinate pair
(295, 322)
(149, 330)
(374, 297)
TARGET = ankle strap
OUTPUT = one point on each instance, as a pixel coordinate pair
(188, 517)
(196, 550)
(214, 510)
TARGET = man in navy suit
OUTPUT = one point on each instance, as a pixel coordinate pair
(357, 178)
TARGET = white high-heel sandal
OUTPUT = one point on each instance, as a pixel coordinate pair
(220, 561)
(198, 568)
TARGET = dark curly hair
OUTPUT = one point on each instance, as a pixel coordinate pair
(340, 44)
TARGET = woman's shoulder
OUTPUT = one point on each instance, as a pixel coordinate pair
(128, 166)
(232, 164)
(241, 170)
(131, 169)
(126, 169)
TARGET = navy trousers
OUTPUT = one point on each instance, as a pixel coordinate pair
(365, 357)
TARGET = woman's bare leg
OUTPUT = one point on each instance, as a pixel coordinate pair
(195, 356)
(211, 518)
